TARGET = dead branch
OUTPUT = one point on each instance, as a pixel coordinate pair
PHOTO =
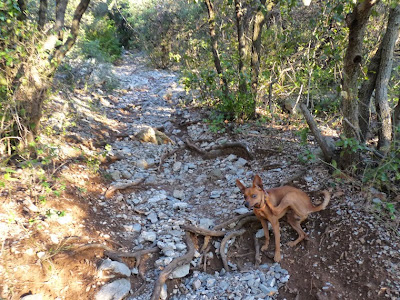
(217, 150)
(223, 244)
(122, 186)
(326, 149)
(177, 262)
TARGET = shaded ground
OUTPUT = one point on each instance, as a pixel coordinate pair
(354, 248)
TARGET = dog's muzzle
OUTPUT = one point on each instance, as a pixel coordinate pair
(248, 205)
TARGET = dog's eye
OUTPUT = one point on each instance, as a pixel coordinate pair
(253, 196)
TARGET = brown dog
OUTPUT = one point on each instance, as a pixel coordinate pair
(274, 203)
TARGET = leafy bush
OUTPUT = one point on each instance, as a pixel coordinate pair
(101, 41)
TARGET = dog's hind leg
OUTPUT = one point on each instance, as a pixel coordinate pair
(294, 220)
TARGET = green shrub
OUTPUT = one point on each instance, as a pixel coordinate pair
(101, 41)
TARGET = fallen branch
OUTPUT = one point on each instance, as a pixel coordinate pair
(217, 150)
(223, 244)
(177, 262)
(122, 186)
(326, 149)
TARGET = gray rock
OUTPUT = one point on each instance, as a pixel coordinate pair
(148, 236)
(152, 217)
(116, 175)
(142, 163)
(206, 223)
(196, 284)
(179, 194)
(116, 290)
(180, 272)
(241, 210)
(215, 194)
(109, 268)
(164, 292)
(240, 162)
(177, 166)
(179, 205)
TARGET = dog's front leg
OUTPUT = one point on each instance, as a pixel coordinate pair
(277, 233)
(266, 234)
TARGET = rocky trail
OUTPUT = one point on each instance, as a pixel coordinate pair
(167, 175)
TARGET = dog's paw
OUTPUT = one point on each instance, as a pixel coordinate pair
(264, 248)
(277, 257)
(292, 243)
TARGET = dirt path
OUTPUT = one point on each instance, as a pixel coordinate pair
(351, 255)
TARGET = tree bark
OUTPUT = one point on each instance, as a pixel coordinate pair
(61, 6)
(62, 51)
(22, 7)
(382, 81)
(327, 151)
(42, 14)
(396, 121)
(242, 46)
(365, 93)
(33, 85)
(356, 21)
(214, 46)
(259, 22)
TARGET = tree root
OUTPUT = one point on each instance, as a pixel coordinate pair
(217, 150)
(223, 244)
(202, 231)
(117, 255)
(166, 155)
(232, 220)
(257, 257)
(122, 186)
(241, 220)
(177, 262)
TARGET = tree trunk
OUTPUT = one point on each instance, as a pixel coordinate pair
(259, 22)
(34, 84)
(61, 6)
(22, 7)
(382, 81)
(242, 47)
(396, 121)
(214, 46)
(42, 14)
(356, 21)
(365, 93)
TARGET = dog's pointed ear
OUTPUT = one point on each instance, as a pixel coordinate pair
(240, 186)
(257, 182)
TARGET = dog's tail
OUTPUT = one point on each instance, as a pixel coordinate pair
(324, 204)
